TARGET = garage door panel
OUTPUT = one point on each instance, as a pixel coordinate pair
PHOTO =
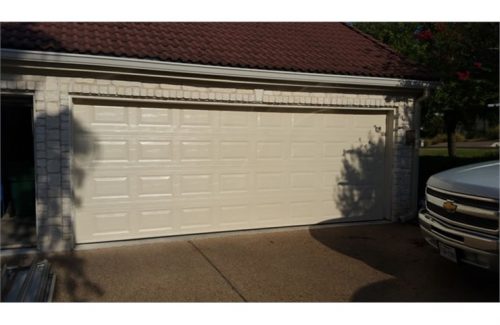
(108, 115)
(196, 150)
(196, 184)
(305, 120)
(116, 187)
(158, 172)
(270, 212)
(235, 149)
(270, 150)
(196, 218)
(156, 222)
(154, 150)
(153, 117)
(334, 121)
(196, 118)
(233, 120)
(107, 223)
(272, 120)
(304, 150)
(236, 215)
(155, 186)
(111, 151)
(112, 223)
(234, 182)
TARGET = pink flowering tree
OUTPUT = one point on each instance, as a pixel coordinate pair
(462, 58)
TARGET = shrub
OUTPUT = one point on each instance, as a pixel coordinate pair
(492, 133)
(441, 137)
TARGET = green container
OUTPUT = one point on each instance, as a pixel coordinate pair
(22, 191)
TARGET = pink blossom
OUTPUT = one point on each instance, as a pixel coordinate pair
(478, 65)
(463, 75)
(425, 35)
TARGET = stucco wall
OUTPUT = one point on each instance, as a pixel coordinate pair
(52, 116)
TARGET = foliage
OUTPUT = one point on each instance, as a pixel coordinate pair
(493, 133)
(463, 58)
(441, 137)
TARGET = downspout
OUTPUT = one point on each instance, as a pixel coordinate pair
(414, 204)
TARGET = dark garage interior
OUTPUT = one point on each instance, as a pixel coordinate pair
(18, 223)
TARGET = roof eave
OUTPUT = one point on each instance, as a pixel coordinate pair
(210, 71)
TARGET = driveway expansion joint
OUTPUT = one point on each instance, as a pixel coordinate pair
(218, 271)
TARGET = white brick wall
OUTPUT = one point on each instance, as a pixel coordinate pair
(52, 134)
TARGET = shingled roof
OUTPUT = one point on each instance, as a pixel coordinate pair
(328, 48)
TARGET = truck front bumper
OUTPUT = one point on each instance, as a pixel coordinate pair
(470, 248)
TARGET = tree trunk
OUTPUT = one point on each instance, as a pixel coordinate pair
(450, 121)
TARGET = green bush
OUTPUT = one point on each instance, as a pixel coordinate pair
(493, 133)
(441, 137)
(438, 138)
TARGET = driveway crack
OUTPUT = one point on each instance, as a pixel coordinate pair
(218, 271)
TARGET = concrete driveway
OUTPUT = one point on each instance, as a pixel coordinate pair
(386, 262)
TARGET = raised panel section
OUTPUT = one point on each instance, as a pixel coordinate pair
(303, 210)
(196, 118)
(155, 150)
(269, 150)
(333, 149)
(155, 221)
(110, 115)
(269, 181)
(155, 117)
(334, 120)
(196, 150)
(111, 187)
(304, 120)
(304, 150)
(196, 218)
(270, 120)
(303, 180)
(196, 184)
(107, 224)
(153, 186)
(268, 211)
(329, 180)
(234, 119)
(330, 209)
(234, 215)
(366, 122)
(111, 151)
(234, 183)
(230, 150)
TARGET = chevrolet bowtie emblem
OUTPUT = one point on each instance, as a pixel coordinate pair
(450, 206)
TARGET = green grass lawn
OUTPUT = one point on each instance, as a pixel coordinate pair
(434, 160)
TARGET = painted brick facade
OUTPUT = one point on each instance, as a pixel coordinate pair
(52, 96)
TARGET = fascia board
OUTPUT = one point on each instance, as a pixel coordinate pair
(206, 70)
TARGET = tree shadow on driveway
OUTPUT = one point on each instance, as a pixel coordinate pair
(419, 273)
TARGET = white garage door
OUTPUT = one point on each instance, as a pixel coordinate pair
(143, 172)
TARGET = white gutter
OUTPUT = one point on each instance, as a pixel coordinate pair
(198, 69)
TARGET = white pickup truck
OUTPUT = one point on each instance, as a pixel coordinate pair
(461, 214)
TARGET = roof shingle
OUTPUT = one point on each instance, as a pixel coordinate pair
(329, 48)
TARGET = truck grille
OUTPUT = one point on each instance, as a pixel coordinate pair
(487, 205)
(464, 220)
